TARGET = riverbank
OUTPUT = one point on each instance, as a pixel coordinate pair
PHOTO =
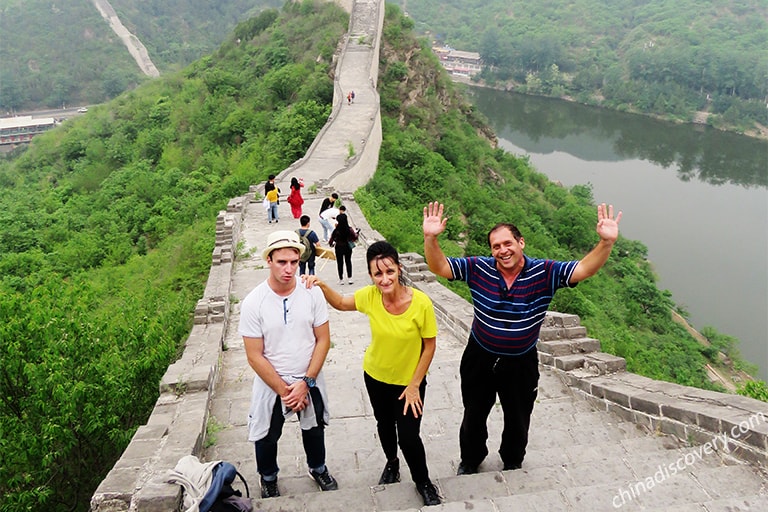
(727, 375)
(759, 131)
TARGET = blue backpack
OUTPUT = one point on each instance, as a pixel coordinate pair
(221, 496)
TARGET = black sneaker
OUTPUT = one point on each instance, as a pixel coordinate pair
(428, 493)
(466, 469)
(510, 467)
(324, 480)
(391, 473)
(269, 489)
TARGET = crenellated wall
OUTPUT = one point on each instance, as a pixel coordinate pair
(177, 426)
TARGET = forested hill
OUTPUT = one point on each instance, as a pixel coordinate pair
(683, 60)
(671, 58)
(64, 53)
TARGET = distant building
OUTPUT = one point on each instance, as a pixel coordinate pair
(457, 62)
(14, 130)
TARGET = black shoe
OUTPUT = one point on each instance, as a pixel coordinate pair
(428, 493)
(509, 467)
(324, 480)
(466, 469)
(391, 473)
(269, 489)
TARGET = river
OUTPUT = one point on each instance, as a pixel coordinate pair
(695, 196)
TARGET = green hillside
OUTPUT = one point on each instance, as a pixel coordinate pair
(435, 148)
(56, 54)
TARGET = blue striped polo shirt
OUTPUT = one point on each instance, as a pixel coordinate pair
(507, 322)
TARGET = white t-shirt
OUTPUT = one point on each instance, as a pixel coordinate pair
(330, 214)
(285, 323)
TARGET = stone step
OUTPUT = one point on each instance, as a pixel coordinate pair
(560, 333)
(595, 486)
(596, 363)
(562, 347)
(577, 458)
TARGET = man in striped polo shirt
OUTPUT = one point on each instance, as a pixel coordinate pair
(510, 294)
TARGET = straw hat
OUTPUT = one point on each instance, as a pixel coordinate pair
(282, 240)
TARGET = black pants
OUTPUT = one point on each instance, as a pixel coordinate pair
(395, 428)
(313, 439)
(343, 255)
(516, 380)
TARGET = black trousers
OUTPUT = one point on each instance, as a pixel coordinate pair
(343, 255)
(395, 428)
(516, 381)
(312, 439)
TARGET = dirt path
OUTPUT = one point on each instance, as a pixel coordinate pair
(135, 47)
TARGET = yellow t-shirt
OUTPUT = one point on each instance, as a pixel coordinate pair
(396, 340)
(272, 196)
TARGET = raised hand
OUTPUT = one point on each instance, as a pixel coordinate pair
(434, 222)
(607, 226)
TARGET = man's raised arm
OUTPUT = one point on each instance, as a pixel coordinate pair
(608, 230)
(433, 225)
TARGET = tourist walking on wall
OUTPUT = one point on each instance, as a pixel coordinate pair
(272, 193)
(342, 240)
(510, 294)
(295, 199)
(403, 334)
(328, 202)
(308, 261)
(285, 331)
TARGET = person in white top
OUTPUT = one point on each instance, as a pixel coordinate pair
(328, 202)
(286, 337)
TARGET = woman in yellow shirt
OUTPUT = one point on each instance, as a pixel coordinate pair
(403, 334)
(274, 200)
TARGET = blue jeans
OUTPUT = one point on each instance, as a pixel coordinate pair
(312, 439)
(272, 212)
(327, 228)
(303, 266)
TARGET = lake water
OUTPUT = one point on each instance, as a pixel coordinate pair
(696, 197)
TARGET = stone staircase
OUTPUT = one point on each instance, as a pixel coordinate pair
(581, 456)
(600, 436)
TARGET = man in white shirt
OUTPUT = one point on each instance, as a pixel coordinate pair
(328, 202)
(328, 218)
(286, 336)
